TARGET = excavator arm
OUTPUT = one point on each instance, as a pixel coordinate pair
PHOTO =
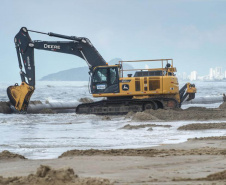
(80, 46)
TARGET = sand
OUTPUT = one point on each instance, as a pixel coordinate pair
(197, 161)
(47, 111)
(36, 102)
(143, 116)
(4, 107)
(85, 100)
(211, 177)
(223, 106)
(131, 127)
(8, 155)
(45, 175)
(105, 118)
(146, 152)
(203, 126)
(209, 138)
(193, 126)
(193, 113)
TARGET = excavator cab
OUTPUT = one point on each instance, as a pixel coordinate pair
(105, 80)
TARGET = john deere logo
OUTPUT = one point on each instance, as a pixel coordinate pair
(125, 87)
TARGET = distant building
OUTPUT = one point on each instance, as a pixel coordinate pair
(218, 71)
(216, 74)
(193, 76)
(211, 73)
(185, 77)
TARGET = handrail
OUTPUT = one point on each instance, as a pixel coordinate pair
(153, 60)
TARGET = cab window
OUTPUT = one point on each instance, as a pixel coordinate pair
(100, 75)
(113, 79)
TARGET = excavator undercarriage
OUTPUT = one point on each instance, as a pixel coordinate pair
(126, 105)
(121, 105)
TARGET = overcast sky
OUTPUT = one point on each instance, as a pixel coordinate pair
(192, 32)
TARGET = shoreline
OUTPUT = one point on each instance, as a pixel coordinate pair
(166, 164)
(196, 161)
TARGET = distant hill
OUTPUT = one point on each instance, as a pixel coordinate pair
(77, 74)
(74, 74)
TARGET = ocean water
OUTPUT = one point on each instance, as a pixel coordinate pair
(42, 136)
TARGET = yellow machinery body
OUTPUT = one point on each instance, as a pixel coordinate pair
(147, 87)
(144, 86)
(151, 88)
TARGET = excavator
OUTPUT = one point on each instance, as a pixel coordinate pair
(151, 88)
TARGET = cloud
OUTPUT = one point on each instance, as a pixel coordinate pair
(191, 37)
(104, 37)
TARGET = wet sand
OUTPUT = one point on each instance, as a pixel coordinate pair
(192, 113)
(131, 127)
(46, 175)
(203, 126)
(4, 107)
(193, 162)
(197, 161)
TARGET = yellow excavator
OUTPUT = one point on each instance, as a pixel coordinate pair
(142, 89)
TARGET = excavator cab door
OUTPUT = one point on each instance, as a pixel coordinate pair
(105, 80)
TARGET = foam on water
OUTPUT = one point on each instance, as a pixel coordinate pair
(47, 136)
(40, 136)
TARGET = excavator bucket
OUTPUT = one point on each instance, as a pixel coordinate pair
(188, 90)
(191, 90)
(191, 96)
(19, 96)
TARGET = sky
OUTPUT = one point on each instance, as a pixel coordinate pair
(191, 32)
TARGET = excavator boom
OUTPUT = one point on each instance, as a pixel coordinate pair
(19, 96)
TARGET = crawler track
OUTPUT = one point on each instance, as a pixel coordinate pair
(123, 106)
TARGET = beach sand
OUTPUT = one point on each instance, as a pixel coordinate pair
(197, 161)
